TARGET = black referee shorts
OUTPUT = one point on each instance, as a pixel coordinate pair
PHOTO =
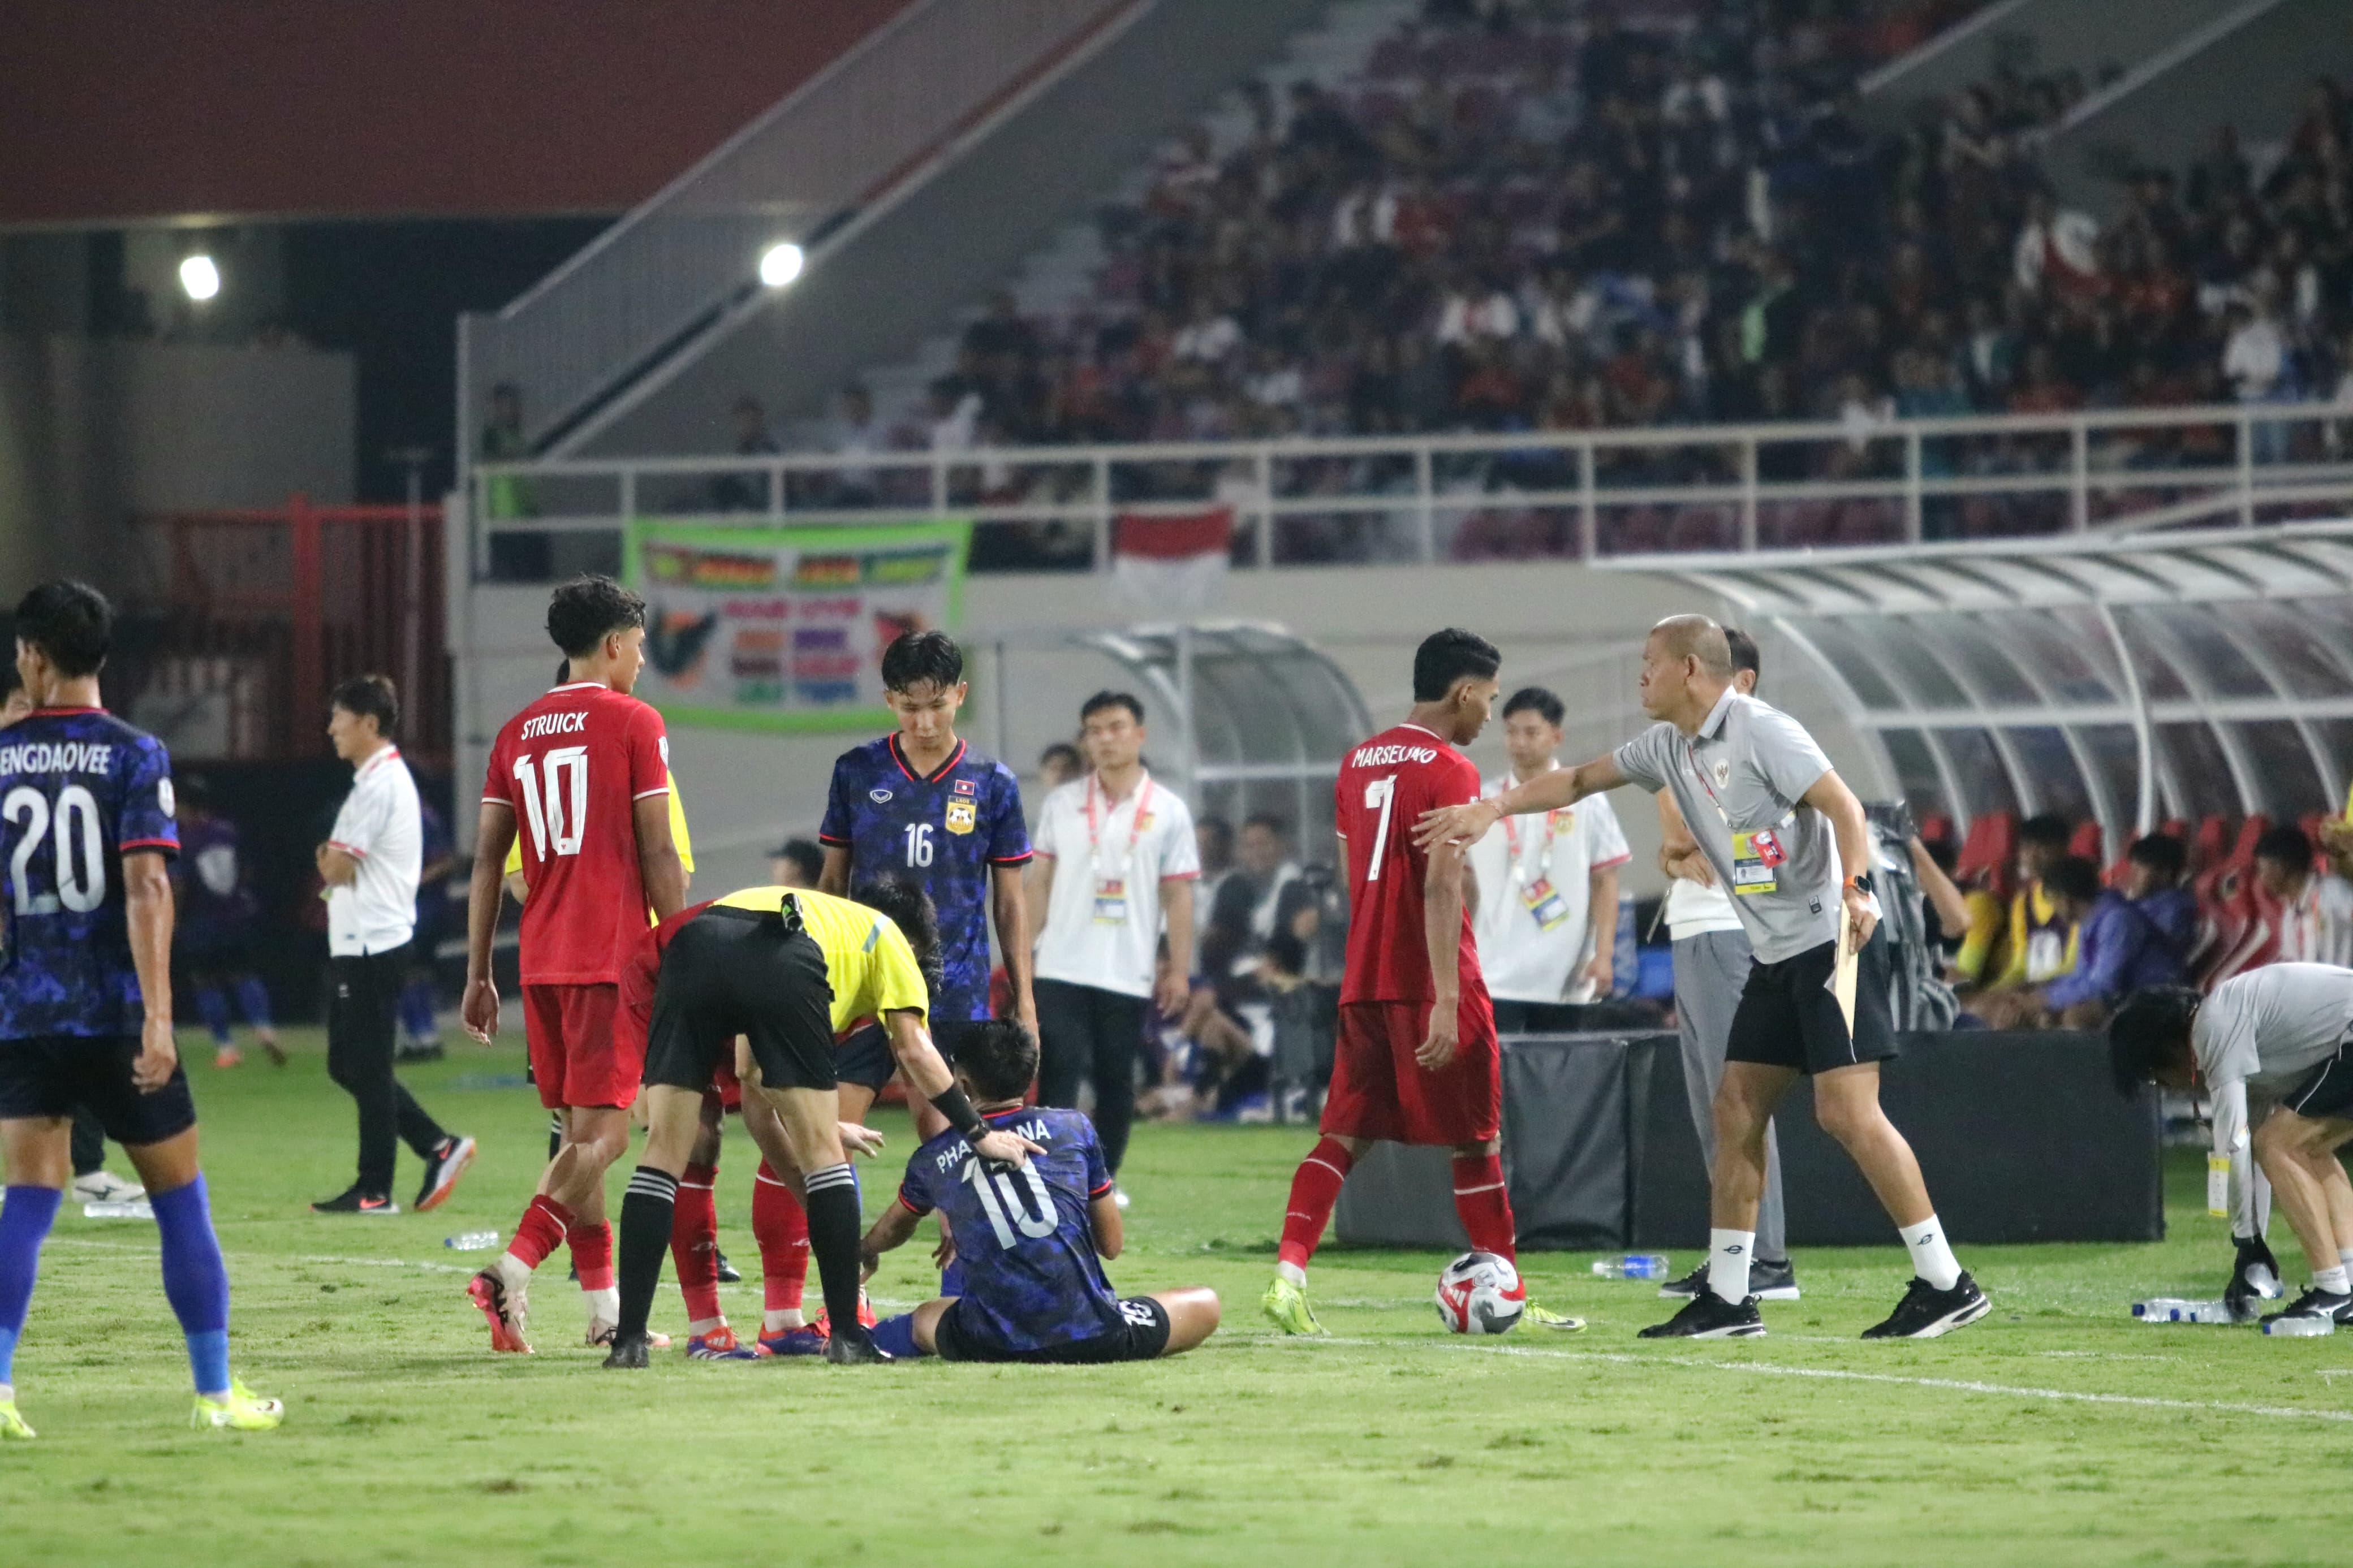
(1788, 1018)
(732, 972)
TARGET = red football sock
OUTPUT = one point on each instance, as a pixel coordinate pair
(538, 1232)
(1484, 1205)
(781, 1227)
(592, 1254)
(1314, 1190)
(694, 1243)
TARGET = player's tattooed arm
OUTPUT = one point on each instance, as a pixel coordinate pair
(494, 836)
(1546, 792)
(147, 904)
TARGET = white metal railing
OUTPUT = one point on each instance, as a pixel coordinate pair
(857, 127)
(1568, 494)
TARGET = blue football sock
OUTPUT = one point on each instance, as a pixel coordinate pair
(896, 1337)
(253, 998)
(25, 1220)
(416, 1010)
(195, 1281)
(213, 1008)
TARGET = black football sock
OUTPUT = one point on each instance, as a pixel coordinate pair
(645, 1241)
(833, 1222)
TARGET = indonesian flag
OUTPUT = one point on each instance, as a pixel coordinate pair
(1172, 562)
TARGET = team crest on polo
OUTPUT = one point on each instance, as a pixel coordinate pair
(1722, 771)
(962, 815)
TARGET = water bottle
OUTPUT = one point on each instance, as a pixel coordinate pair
(137, 1208)
(2175, 1309)
(471, 1241)
(1632, 1265)
(2301, 1328)
(2264, 1283)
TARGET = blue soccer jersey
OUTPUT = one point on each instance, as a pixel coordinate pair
(79, 788)
(1033, 1279)
(943, 830)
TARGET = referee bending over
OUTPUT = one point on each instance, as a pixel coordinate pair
(370, 863)
(1783, 832)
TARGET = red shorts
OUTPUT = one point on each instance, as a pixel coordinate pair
(1378, 1091)
(586, 1048)
(725, 1084)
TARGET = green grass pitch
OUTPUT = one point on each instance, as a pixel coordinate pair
(2057, 1431)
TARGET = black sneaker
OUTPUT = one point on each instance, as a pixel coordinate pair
(1927, 1312)
(353, 1201)
(1769, 1280)
(1689, 1285)
(843, 1350)
(441, 1171)
(2315, 1303)
(629, 1354)
(1708, 1316)
(728, 1273)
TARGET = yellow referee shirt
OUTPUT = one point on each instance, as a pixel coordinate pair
(867, 958)
(677, 836)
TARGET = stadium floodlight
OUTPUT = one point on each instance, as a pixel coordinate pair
(780, 264)
(200, 277)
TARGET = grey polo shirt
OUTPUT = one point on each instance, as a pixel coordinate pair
(2271, 1025)
(1738, 781)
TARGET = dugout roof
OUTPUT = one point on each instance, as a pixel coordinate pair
(2124, 678)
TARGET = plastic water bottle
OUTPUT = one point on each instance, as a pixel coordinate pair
(1632, 1265)
(2175, 1309)
(471, 1241)
(2264, 1282)
(2301, 1328)
(137, 1208)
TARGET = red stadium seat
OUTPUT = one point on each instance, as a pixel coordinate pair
(1989, 854)
(2207, 845)
(2238, 926)
(2086, 841)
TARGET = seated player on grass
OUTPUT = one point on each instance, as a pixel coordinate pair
(1027, 1238)
(2280, 1032)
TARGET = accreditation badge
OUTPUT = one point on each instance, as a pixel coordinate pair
(1111, 900)
(1544, 901)
(963, 815)
(1756, 861)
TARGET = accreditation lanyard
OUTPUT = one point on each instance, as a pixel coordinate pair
(1540, 898)
(1756, 856)
(1110, 892)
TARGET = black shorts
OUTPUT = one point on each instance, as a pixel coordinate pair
(865, 1057)
(217, 951)
(2327, 1092)
(57, 1075)
(1141, 1336)
(1788, 1017)
(752, 973)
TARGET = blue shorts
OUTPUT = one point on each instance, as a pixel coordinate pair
(54, 1075)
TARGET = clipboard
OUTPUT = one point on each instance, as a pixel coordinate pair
(1843, 972)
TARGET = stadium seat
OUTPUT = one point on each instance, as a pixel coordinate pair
(2086, 841)
(1990, 853)
(2238, 926)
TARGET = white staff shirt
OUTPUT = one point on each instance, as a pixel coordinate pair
(1694, 910)
(379, 827)
(1102, 918)
(1535, 930)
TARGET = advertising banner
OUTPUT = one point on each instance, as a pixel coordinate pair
(783, 628)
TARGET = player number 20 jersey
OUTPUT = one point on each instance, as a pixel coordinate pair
(1384, 785)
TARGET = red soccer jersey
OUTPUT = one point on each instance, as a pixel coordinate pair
(1384, 785)
(572, 767)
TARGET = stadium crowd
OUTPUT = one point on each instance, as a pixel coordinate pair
(1525, 215)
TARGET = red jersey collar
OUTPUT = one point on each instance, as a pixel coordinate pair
(900, 756)
(87, 708)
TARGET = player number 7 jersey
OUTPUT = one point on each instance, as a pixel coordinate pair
(1384, 785)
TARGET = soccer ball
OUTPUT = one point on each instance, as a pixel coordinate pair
(1480, 1293)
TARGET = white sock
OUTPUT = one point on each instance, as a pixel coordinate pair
(513, 1271)
(2345, 1256)
(1932, 1259)
(777, 1319)
(707, 1325)
(603, 1306)
(2330, 1279)
(1293, 1272)
(1728, 1263)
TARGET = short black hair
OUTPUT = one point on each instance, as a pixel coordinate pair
(70, 622)
(999, 1057)
(1103, 700)
(1269, 821)
(917, 657)
(563, 671)
(2285, 843)
(363, 695)
(2161, 853)
(1445, 657)
(2073, 877)
(1551, 708)
(909, 909)
(582, 611)
(1744, 651)
(2146, 1033)
(2047, 832)
(804, 854)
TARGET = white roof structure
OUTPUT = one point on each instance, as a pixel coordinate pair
(2125, 678)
